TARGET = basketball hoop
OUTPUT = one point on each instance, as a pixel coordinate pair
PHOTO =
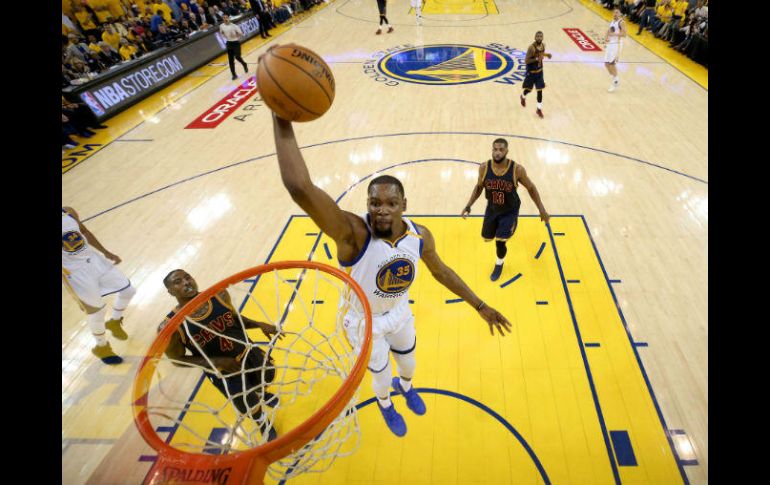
(316, 377)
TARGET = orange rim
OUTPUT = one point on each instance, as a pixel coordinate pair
(284, 444)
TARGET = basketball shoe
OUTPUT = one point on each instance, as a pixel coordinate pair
(106, 354)
(413, 400)
(116, 327)
(394, 420)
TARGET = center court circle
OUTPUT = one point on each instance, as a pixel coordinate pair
(446, 64)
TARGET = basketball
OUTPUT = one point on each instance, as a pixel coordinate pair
(295, 82)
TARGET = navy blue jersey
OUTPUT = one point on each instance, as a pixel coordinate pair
(500, 191)
(536, 65)
(218, 316)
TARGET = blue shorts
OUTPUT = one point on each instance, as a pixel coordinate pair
(535, 79)
(499, 225)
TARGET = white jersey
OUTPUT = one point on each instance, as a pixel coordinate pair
(386, 270)
(75, 250)
(614, 28)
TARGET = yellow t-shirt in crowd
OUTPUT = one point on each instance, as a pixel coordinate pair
(681, 7)
(126, 51)
(164, 8)
(84, 19)
(116, 9)
(665, 12)
(94, 47)
(100, 7)
(112, 39)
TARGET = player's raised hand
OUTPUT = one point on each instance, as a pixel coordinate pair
(496, 320)
(269, 330)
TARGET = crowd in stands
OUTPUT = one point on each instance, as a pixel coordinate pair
(99, 34)
(683, 23)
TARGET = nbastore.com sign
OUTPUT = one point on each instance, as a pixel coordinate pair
(100, 100)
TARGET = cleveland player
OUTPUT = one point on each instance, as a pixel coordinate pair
(534, 76)
(380, 249)
(499, 181)
(193, 343)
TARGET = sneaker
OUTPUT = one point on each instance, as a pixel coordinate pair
(498, 267)
(394, 420)
(523, 100)
(539, 112)
(235, 77)
(390, 29)
(612, 88)
(379, 31)
(116, 327)
(105, 353)
(413, 400)
(69, 146)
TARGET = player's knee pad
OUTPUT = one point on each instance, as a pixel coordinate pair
(381, 380)
(500, 246)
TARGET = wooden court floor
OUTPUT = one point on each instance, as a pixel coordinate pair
(605, 376)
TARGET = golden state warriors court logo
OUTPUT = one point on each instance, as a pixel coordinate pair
(396, 276)
(448, 64)
(72, 241)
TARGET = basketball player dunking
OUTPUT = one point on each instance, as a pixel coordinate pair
(382, 6)
(534, 76)
(380, 250)
(613, 41)
(499, 181)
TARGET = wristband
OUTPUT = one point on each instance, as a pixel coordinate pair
(481, 305)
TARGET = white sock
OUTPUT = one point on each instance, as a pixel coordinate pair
(385, 403)
(405, 384)
(499, 261)
(539, 105)
(96, 322)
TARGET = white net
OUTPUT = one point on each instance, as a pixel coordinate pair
(273, 383)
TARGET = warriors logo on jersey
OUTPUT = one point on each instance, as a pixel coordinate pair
(72, 242)
(395, 276)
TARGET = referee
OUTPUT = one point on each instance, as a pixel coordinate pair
(232, 33)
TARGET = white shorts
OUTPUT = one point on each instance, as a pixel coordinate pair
(612, 53)
(391, 331)
(96, 278)
(416, 3)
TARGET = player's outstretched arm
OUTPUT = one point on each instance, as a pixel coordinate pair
(533, 193)
(90, 237)
(477, 190)
(447, 277)
(317, 203)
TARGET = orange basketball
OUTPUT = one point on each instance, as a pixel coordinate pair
(295, 82)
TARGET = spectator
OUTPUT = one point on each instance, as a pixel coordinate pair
(186, 28)
(216, 14)
(76, 47)
(156, 21)
(646, 14)
(85, 20)
(111, 37)
(663, 15)
(107, 55)
(127, 50)
(116, 9)
(102, 11)
(93, 44)
(80, 115)
(165, 9)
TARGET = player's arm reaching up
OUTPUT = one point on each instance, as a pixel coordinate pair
(447, 277)
(347, 229)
